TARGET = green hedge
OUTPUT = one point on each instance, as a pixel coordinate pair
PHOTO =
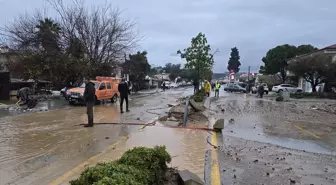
(139, 166)
(313, 95)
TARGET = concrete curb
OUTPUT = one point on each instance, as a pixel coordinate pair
(207, 167)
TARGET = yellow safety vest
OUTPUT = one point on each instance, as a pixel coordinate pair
(217, 86)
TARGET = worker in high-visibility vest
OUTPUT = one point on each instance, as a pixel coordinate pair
(217, 87)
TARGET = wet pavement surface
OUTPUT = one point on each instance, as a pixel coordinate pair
(263, 141)
(288, 124)
(268, 142)
(36, 148)
(187, 148)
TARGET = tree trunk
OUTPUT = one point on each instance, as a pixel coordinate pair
(313, 84)
(283, 78)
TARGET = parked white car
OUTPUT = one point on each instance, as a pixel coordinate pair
(255, 89)
(172, 85)
(286, 87)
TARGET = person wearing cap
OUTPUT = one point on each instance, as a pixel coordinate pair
(124, 92)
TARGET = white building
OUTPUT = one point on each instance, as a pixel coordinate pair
(303, 84)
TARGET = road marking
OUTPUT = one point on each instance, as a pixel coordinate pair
(215, 176)
(298, 127)
(79, 168)
(303, 130)
(310, 133)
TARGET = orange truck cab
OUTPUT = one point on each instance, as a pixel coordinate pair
(106, 89)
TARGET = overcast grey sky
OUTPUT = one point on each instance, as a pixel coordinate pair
(254, 26)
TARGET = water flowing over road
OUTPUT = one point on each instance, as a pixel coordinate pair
(36, 148)
(263, 141)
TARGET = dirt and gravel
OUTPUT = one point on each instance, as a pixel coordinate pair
(269, 142)
(250, 162)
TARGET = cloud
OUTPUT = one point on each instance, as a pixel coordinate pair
(253, 26)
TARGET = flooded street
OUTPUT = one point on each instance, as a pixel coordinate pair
(288, 124)
(187, 148)
(263, 141)
(269, 142)
(36, 148)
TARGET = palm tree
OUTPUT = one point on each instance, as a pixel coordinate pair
(47, 35)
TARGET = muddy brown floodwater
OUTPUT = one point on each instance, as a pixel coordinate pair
(37, 148)
(187, 148)
(269, 142)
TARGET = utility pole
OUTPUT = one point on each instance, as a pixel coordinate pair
(248, 79)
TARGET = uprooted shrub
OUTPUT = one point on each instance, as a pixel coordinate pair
(279, 98)
(199, 96)
(139, 166)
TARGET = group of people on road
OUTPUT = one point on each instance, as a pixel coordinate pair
(215, 87)
(89, 98)
(260, 89)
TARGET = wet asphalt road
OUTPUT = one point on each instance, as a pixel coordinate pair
(286, 124)
(36, 148)
(267, 143)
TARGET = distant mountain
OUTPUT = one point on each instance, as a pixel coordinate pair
(219, 75)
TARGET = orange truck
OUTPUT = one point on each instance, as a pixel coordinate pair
(106, 89)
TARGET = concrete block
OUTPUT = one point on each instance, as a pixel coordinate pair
(196, 106)
(219, 124)
(188, 178)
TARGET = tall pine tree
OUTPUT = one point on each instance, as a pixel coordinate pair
(234, 63)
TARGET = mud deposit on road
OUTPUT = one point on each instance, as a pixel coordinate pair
(250, 162)
(268, 142)
(296, 123)
(37, 148)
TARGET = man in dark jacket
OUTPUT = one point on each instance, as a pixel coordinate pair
(124, 92)
(89, 98)
(196, 86)
(261, 90)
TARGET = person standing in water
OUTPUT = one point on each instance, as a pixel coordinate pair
(124, 92)
(89, 97)
(217, 87)
(196, 86)
(261, 90)
(207, 88)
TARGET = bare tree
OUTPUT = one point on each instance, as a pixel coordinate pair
(79, 42)
(104, 35)
(20, 34)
